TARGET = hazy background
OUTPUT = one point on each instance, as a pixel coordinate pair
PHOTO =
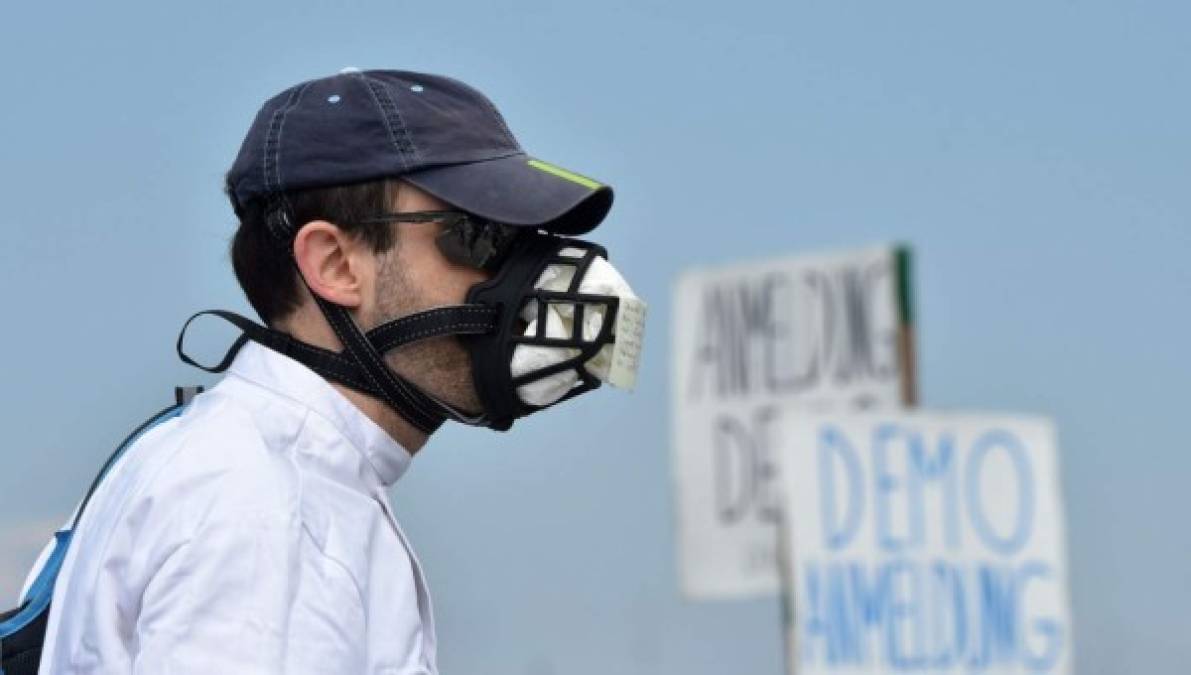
(1036, 155)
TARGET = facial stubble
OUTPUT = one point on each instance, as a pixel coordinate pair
(440, 365)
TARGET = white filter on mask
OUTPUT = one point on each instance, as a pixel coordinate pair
(615, 364)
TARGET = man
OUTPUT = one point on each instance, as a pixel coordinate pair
(381, 213)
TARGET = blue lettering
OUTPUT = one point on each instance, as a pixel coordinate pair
(870, 599)
(941, 466)
(948, 610)
(839, 531)
(811, 613)
(1048, 627)
(925, 615)
(904, 650)
(985, 444)
(845, 648)
(996, 607)
(886, 484)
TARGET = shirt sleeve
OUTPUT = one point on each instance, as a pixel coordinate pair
(220, 602)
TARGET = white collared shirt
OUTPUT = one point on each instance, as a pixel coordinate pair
(252, 534)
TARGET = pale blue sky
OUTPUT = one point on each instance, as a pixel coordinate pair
(1036, 155)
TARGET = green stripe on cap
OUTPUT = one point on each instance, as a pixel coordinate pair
(564, 174)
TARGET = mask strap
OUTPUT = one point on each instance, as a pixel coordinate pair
(451, 320)
(327, 363)
(418, 409)
(340, 367)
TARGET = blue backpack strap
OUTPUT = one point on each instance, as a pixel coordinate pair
(166, 414)
(22, 630)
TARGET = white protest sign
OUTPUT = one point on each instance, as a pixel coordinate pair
(925, 543)
(830, 331)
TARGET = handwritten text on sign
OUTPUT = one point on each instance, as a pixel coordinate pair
(818, 331)
(926, 543)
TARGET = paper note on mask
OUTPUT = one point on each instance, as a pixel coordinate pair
(626, 351)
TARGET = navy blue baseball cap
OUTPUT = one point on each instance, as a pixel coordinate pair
(432, 131)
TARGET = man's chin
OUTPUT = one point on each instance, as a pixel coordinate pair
(442, 371)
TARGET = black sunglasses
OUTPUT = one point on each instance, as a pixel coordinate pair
(466, 239)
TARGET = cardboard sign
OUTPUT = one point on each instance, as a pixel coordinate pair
(925, 543)
(823, 332)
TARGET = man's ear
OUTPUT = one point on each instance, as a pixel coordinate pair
(324, 254)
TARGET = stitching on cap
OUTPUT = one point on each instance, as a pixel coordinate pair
(491, 106)
(267, 150)
(388, 125)
(273, 139)
(281, 126)
(398, 134)
(503, 125)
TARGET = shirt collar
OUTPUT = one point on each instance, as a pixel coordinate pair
(287, 377)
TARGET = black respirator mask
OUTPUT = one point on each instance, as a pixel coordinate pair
(491, 325)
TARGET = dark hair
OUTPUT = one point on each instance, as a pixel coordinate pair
(262, 262)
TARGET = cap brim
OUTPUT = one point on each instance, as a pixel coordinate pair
(520, 190)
